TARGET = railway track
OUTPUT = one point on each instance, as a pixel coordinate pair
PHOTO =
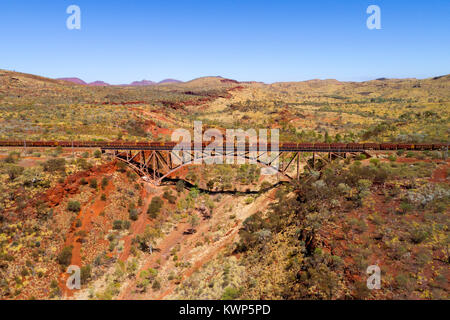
(288, 146)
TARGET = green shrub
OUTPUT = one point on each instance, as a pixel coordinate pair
(54, 284)
(436, 155)
(154, 207)
(392, 158)
(59, 150)
(420, 156)
(194, 221)
(104, 182)
(65, 256)
(405, 207)
(180, 186)
(13, 157)
(55, 165)
(121, 166)
(133, 215)
(24, 272)
(364, 184)
(74, 206)
(156, 285)
(231, 293)
(418, 234)
(93, 183)
(85, 273)
(361, 157)
(117, 224)
(83, 164)
(126, 224)
(14, 171)
(402, 280)
(210, 184)
(169, 196)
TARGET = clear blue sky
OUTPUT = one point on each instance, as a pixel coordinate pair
(283, 40)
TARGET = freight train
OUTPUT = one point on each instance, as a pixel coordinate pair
(336, 147)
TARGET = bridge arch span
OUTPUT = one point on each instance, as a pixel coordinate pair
(146, 171)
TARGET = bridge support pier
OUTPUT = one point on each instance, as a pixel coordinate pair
(314, 161)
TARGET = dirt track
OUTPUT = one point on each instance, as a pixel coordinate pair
(188, 250)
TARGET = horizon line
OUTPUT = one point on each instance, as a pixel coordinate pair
(219, 76)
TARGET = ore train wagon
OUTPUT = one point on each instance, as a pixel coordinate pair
(337, 147)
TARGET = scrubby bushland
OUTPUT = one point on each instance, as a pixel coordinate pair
(322, 232)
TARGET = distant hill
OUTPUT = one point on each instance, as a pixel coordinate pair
(98, 84)
(170, 81)
(74, 80)
(210, 82)
(141, 83)
(81, 82)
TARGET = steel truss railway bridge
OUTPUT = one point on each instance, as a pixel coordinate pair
(155, 161)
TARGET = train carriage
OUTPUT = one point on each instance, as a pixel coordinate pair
(423, 146)
(289, 146)
(355, 146)
(405, 146)
(170, 145)
(440, 146)
(322, 146)
(338, 146)
(305, 146)
(371, 146)
(388, 146)
(154, 145)
(115, 144)
(11, 143)
(261, 145)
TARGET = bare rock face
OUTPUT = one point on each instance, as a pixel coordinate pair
(204, 211)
